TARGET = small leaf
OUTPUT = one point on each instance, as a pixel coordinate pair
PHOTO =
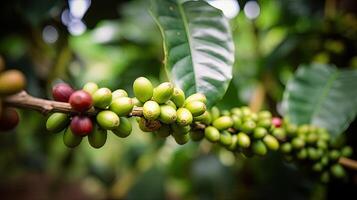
(323, 96)
(198, 46)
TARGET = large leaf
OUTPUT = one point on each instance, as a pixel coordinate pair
(322, 95)
(199, 51)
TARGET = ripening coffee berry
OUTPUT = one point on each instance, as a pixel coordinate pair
(286, 148)
(167, 114)
(212, 134)
(124, 129)
(259, 148)
(164, 131)
(259, 132)
(108, 119)
(151, 110)
(184, 117)
(122, 106)
(177, 129)
(197, 135)
(205, 118)
(223, 123)
(346, 151)
(57, 122)
(197, 108)
(181, 139)
(102, 98)
(90, 87)
(163, 92)
(81, 101)
(215, 113)
(70, 139)
(243, 140)
(62, 92)
(196, 97)
(225, 138)
(297, 143)
(143, 89)
(248, 126)
(277, 122)
(98, 137)
(338, 171)
(9, 119)
(271, 142)
(178, 97)
(171, 103)
(11, 82)
(81, 125)
(119, 93)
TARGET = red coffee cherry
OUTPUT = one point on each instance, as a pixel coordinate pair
(81, 101)
(277, 122)
(81, 125)
(62, 92)
(8, 119)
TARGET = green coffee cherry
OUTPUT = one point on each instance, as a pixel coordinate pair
(124, 129)
(197, 108)
(311, 138)
(225, 113)
(264, 115)
(163, 92)
(215, 113)
(234, 143)
(245, 111)
(298, 143)
(237, 122)
(143, 89)
(248, 126)
(184, 117)
(334, 155)
(303, 130)
(57, 122)
(346, 151)
(243, 140)
(122, 106)
(71, 140)
(171, 103)
(90, 87)
(197, 135)
(212, 134)
(302, 154)
(181, 139)
(102, 98)
(291, 130)
(286, 148)
(279, 133)
(325, 177)
(196, 97)
(225, 139)
(265, 123)
(178, 97)
(317, 167)
(259, 132)
(313, 153)
(177, 129)
(271, 142)
(108, 119)
(223, 123)
(164, 131)
(119, 93)
(322, 144)
(338, 171)
(136, 102)
(205, 118)
(97, 138)
(237, 112)
(151, 110)
(259, 148)
(168, 115)
(325, 160)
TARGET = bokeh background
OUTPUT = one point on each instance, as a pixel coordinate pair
(113, 42)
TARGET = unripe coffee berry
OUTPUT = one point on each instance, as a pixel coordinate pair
(181, 139)
(122, 106)
(259, 148)
(119, 93)
(98, 137)
(177, 129)
(9, 118)
(237, 122)
(334, 154)
(163, 92)
(264, 115)
(57, 122)
(81, 125)
(164, 131)
(279, 133)
(70, 139)
(108, 119)
(259, 132)
(205, 118)
(62, 92)
(248, 126)
(124, 129)
(151, 110)
(271, 142)
(243, 140)
(225, 138)
(302, 154)
(178, 97)
(346, 151)
(215, 113)
(167, 114)
(196, 97)
(234, 143)
(90, 87)
(171, 103)
(143, 89)
(197, 108)
(338, 171)
(102, 98)
(184, 117)
(265, 123)
(197, 135)
(81, 101)
(223, 123)
(286, 148)
(212, 134)
(298, 143)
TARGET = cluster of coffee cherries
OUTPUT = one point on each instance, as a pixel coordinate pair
(111, 109)
(312, 148)
(11, 82)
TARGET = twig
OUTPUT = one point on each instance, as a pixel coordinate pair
(348, 163)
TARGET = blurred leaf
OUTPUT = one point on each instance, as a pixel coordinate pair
(199, 51)
(322, 95)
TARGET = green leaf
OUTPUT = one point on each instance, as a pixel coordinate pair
(323, 96)
(198, 46)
